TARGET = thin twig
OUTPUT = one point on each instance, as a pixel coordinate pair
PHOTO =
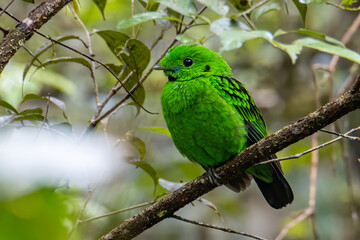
(335, 58)
(314, 165)
(298, 155)
(92, 70)
(112, 92)
(346, 159)
(343, 7)
(132, 14)
(45, 116)
(313, 182)
(32, 54)
(78, 221)
(6, 7)
(116, 212)
(228, 230)
(305, 214)
(158, 39)
(340, 134)
(252, 25)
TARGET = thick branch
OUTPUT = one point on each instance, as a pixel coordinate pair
(258, 152)
(24, 30)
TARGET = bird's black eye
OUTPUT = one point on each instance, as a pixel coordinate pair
(188, 62)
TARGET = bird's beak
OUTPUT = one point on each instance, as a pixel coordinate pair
(158, 67)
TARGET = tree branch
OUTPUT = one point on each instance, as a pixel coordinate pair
(256, 153)
(228, 230)
(24, 30)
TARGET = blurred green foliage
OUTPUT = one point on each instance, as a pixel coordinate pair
(36, 215)
(272, 47)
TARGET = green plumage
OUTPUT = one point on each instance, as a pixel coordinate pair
(212, 117)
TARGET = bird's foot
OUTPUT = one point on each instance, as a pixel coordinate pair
(213, 177)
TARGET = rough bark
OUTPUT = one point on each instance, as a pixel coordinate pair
(256, 153)
(24, 30)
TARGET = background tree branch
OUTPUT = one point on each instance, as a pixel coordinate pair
(24, 30)
(256, 153)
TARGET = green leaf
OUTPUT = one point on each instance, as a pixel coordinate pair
(31, 111)
(184, 7)
(60, 104)
(218, 6)
(311, 1)
(293, 50)
(56, 80)
(349, 2)
(115, 40)
(31, 96)
(156, 129)
(136, 55)
(319, 35)
(149, 170)
(224, 24)
(139, 95)
(6, 119)
(302, 8)
(232, 39)
(142, 18)
(137, 143)
(115, 68)
(186, 39)
(81, 61)
(29, 1)
(47, 45)
(57, 102)
(328, 48)
(75, 4)
(33, 209)
(149, 5)
(265, 9)
(311, 33)
(101, 5)
(63, 127)
(32, 117)
(7, 106)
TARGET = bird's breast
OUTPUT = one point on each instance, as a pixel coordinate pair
(203, 126)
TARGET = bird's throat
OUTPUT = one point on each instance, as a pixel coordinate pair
(171, 78)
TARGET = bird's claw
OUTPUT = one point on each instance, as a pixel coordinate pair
(213, 177)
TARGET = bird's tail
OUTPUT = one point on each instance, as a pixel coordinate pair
(277, 193)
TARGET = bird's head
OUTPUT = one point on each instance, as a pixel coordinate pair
(187, 62)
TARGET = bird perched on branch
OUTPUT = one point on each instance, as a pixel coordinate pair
(212, 117)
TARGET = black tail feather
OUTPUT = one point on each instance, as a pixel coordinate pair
(278, 193)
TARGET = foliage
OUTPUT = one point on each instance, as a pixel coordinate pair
(275, 44)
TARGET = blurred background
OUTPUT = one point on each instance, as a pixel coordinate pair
(94, 176)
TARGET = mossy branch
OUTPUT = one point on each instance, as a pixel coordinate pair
(24, 30)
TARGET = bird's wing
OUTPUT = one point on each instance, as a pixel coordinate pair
(236, 94)
(269, 177)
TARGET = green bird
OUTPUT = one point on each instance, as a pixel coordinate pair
(212, 117)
